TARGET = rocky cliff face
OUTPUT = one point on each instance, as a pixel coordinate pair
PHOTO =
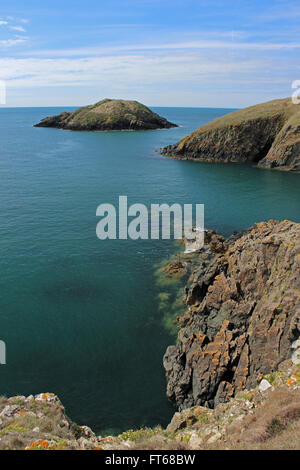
(267, 133)
(285, 151)
(243, 316)
(108, 115)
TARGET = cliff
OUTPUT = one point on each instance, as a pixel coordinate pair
(267, 134)
(266, 417)
(108, 115)
(243, 316)
(234, 373)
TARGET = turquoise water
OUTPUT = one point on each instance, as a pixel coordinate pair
(79, 316)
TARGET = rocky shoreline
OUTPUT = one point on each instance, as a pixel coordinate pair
(242, 317)
(267, 134)
(265, 417)
(234, 373)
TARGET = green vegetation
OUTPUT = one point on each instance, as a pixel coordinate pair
(13, 428)
(274, 376)
(109, 114)
(283, 107)
(267, 134)
(145, 433)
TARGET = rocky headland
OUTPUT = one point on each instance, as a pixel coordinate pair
(108, 115)
(234, 373)
(267, 134)
(242, 318)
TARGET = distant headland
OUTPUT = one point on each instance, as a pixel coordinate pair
(267, 134)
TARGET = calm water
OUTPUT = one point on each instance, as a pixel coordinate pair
(79, 315)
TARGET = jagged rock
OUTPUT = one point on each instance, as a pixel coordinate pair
(211, 428)
(296, 352)
(286, 365)
(9, 411)
(215, 241)
(174, 269)
(86, 431)
(195, 442)
(17, 398)
(268, 133)
(29, 398)
(214, 438)
(285, 151)
(48, 397)
(107, 115)
(84, 443)
(243, 319)
(187, 418)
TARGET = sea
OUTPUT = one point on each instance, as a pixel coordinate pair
(80, 316)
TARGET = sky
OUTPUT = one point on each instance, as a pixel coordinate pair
(208, 53)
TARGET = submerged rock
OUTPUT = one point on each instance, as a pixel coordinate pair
(108, 115)
(175, 269)
(268, 133)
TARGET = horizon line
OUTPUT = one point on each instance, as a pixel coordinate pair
(148, 105)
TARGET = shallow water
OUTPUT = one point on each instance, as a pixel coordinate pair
(80, 316)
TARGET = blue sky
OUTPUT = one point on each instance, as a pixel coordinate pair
(214, 53)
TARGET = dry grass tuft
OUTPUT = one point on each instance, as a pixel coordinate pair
(159, 443)
(273, 425)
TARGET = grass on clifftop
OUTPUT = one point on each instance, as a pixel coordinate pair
(284, 107)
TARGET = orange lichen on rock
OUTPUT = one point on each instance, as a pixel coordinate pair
(292, 380)
(246, 314)
(41, 444)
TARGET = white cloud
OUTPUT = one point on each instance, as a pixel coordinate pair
(201, 45)
(4, 43)
(226, 63)
(2, 22)
(18, 28)
(129, 71)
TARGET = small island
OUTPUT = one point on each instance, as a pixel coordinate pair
(267, 134)
(108, 115)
